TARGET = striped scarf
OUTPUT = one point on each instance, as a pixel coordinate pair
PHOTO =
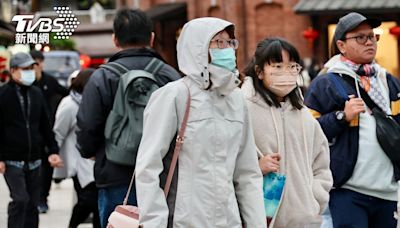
(367, 75)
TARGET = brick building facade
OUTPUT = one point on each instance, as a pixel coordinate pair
(258, 19)
(254, 20)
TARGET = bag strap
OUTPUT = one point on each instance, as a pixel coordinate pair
(129, 188)
(364, 95)
(154, 66)
(118, 69)
(179, 142)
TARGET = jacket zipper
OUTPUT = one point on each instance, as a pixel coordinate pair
(26, 115)
(28, 126)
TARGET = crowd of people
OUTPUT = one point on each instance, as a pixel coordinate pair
(250, 135)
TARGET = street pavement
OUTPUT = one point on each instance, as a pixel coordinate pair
(61, 201)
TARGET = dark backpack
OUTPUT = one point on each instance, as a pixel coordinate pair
(124, 126)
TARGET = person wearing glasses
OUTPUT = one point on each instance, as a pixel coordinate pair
(288, 138)
(218, 182)
(365, 190)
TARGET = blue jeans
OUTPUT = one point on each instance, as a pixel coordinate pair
(111, 197)
(352, 209)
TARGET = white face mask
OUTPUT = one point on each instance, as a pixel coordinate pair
(27, 77)
(281, 83)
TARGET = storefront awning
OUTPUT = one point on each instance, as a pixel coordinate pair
(344, 6)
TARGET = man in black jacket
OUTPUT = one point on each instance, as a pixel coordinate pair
(24, 127)
(53, 93)
(133, 34)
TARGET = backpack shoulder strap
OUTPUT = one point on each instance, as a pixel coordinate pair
(116, 68)
(154, 66)
(148, 72)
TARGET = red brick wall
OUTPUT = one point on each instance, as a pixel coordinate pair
(254, 20)
(277, 19)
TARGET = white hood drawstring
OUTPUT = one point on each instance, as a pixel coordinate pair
(277, 131)
(302, 118)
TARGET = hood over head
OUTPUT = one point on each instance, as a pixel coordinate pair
(193, 47)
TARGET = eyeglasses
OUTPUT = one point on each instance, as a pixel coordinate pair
(293, 68)
(221, 43)
(362, 39)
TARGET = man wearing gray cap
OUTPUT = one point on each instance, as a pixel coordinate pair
(24, 128)
(365, 189)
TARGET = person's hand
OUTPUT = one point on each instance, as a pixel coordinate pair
(353, 107)
(55, 161)
(269, 163)
(2, 167)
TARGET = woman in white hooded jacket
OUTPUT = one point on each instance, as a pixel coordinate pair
(290, 139)
(80, 169)
(218, 180)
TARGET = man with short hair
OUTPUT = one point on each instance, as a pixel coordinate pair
(24, 127)
(53, 92)
(133, 33)
(365, 188)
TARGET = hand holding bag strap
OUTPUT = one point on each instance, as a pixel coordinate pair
(179, 142)
(364, 95)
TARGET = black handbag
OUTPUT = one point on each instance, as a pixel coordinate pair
(388, 134)
(387, 129)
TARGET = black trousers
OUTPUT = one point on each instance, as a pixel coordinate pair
(46, 176)
(87, 203)
(353, 209)
(24, 190)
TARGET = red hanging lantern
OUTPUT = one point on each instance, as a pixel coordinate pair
(311, 35)
(395, 31)
(85, 61)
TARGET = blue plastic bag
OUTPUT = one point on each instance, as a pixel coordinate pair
(273, 188)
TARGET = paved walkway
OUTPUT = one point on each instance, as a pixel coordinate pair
(61, 200)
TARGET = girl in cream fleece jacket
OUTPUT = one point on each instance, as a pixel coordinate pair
(290, 139)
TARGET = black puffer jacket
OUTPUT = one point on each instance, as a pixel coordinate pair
(97, 102)
(21, 140)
